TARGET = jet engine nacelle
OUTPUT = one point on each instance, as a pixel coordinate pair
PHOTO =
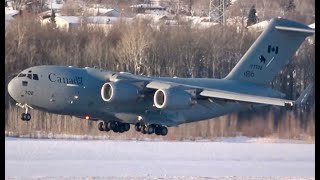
(119, 92)
(172, 99)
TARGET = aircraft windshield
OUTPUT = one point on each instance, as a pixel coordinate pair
(30, 76)
(22, 75)
(35, 77)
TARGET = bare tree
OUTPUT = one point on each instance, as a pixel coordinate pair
(18, 4)
(134, 45)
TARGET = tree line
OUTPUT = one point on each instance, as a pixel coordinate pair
(140, 48)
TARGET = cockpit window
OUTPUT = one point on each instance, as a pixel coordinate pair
(22, 75)
(29, 76)
(35, 77)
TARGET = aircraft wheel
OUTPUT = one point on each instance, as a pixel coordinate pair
(157, 130)
(137, 126)
(28, 117)
(121, 128)
(100, 126)
(113, 125)
(164, 131)
(23, 116)
(144, 130)
(150, 129)
(126, 126)
(106, 127)
(116, 129)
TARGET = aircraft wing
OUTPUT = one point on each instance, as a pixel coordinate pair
(229, 95)
(217, 93)
(245, 97)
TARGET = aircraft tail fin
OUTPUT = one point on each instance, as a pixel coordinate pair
(270, 52)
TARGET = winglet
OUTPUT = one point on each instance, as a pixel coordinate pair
(304, 96)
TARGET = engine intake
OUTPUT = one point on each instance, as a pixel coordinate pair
(119, 92)
(172, 99)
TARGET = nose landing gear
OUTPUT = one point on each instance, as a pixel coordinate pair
(25, 116)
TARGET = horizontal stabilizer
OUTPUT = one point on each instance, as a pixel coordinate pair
(284, 28)
(304, 96)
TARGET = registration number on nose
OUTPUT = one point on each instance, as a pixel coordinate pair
(30, 93)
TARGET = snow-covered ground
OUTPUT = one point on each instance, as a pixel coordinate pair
(228, 158)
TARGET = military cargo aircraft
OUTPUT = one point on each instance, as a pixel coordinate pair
(116, 100)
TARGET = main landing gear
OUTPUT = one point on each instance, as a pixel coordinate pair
(117, 127)
(25, 116)
(152, 128)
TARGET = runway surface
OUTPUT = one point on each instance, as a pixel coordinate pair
(109, 159)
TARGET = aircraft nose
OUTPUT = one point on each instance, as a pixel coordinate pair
(12, 87)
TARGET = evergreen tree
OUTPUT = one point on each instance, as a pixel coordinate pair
(290, 6)
(53, 17)
(252, 17)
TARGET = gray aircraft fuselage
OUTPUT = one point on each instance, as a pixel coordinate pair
(76, 91)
